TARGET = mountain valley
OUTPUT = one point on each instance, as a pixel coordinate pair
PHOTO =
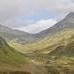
(48, 52)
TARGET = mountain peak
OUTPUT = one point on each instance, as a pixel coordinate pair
(66, 23)
(70, 15)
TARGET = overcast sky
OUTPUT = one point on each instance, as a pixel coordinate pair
(33, 15)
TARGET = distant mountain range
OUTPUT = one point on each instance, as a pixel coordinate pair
(42, 39)
(67, 22)
(11, 34)
(23, 37)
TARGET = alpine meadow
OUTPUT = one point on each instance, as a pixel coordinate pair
(37, 37)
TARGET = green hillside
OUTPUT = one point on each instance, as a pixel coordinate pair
(60, 38)
(9, 55)
(61, 58)
(55, 53)
(13, 62)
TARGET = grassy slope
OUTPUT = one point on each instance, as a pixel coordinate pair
(12, 61)
(56, 39)
(56, 53)
(9, 55)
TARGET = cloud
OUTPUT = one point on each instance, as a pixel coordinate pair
(33, 7)
(38, 26)
(11, 11)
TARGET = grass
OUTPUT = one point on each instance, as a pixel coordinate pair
(59, 38)
(9, 55)
(55, 53)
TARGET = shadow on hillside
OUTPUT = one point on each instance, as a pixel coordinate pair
(16, 72)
